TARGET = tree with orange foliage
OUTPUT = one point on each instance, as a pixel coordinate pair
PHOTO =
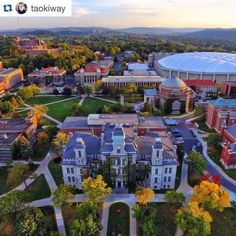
(211, 196)
(144, 195)
(42, 138)
(39, 111)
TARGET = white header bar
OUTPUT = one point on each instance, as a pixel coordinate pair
(35, 8)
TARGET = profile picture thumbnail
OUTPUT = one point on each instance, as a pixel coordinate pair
(21, 8)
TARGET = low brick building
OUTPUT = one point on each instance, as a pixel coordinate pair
(228, 155)
(221, 113)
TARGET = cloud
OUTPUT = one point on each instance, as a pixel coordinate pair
(83, 11)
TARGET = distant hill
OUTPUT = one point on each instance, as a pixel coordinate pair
(90, 30)
(158, 30)
(217, 33)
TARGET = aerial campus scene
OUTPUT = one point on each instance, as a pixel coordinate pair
(118, 118)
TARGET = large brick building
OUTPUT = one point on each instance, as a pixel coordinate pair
(46, 76)
(9, 78)
(93, 72)
(221, 113)
(228, 155)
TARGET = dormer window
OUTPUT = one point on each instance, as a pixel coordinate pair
(118, 151)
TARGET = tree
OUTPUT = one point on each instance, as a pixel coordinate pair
(51, 131)
(130, 89)
(199, 111)
(96, 189)
(17, 175)
(62, 194)
(39, 111)
(67, 91)
(214, 140)
(97, 86)
(174, 197)
(88, 90)
(147, 107)
(106, 109)
(144, 195)
(28, 92)
(42, 138)
(22, 148)
(59, 141)
(6, 107)
(13, 203)
(196, 162)
(194, 221)
(149, 228)
(211, 196)
(31, 222)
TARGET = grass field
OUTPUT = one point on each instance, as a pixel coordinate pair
(3, 177)
(224, 223)
(63, 109)
(45, 99)
(118, 220)
(92, 105)
(39, 189)
(56, 172)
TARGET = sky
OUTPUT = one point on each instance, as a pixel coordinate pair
(137, 13)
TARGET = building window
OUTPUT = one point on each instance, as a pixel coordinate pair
(165, 179)
(79, 154)
(81, 171)
(69, 178)
(168, 186)
(72, 170)
(164, 186)
(166, 169)
(156, 180)
(170, 170)
(169, 179)
(118, 151)
(157, 155)
(68, 170)
(156, 171)
(73, 179)
(123, 162)
(118, 162)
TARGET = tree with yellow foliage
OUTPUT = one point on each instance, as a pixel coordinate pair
(96, 189)
(144, 195)
(211, 196)
(59, 141)
(194, 220)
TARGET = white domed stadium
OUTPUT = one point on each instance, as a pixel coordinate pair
(219, 67)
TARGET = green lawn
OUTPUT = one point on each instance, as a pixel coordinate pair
(92, 105)
(63, 109)
(39, 189)
(118, 220)
(3, 177)
(224, 223)
(56, 171)
(49, 213)
(45, 99)
(164, 220)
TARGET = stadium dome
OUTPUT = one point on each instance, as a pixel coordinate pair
(215, 66)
